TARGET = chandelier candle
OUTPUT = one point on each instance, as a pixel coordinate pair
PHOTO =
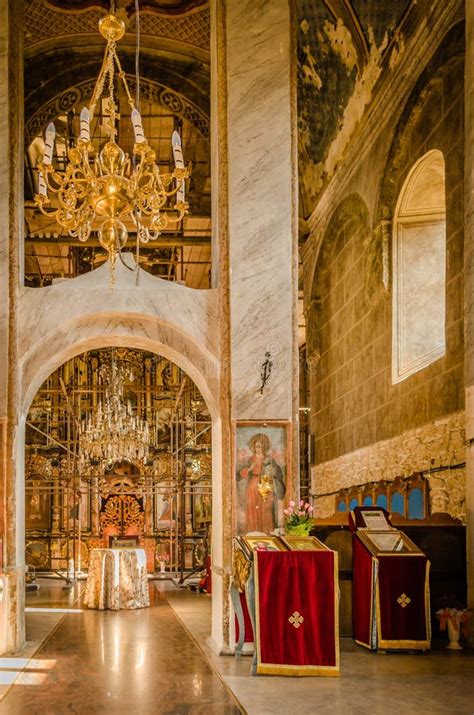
(85, 134)
(138, 127)
(49, 144)
(178, 162)
(42, 188)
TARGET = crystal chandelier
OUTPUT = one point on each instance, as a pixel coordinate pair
(99, 193)
(112, 433)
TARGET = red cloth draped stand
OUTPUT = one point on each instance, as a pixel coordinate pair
(297, 619)
(390, 598)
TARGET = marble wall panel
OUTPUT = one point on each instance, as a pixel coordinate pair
(192, 312)
(62, 320)
(4, 212)
(261, 196)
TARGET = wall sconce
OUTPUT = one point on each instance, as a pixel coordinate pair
(265, 371)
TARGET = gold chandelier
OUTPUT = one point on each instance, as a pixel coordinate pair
(99, 193)
(112, 433)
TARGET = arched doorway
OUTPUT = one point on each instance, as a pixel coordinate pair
(118, 450)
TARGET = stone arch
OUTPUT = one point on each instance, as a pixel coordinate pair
(349, 215)
(77, 96)
(104, 330)
(350, 211)
(351, 208)
(72, 67)
(419, 268)
(406, 145)
(93, 331)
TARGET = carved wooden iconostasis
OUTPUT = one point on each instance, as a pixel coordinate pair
(77, 500)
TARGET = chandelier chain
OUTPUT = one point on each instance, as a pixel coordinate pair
(99, 87)
(111, 108)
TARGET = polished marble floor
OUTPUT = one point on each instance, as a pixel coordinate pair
(139, 661)
(160, 660)
(438, 683)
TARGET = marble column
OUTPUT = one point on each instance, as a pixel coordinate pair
(469, 292)
(12, 632)
(262, 196)
(255, 235)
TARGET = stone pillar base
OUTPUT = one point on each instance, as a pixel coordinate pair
(12, 611)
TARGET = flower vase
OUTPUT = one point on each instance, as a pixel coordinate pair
(298, 529)
(454, 633)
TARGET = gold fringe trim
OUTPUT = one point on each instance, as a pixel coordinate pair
(413, 645)
(325, 671)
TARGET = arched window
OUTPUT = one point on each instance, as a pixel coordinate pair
(419, 268)
(415, 504)
(397, 504)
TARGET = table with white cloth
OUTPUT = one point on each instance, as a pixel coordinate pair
(117, 579)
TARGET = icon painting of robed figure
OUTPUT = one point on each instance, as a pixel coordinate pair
(260, 475)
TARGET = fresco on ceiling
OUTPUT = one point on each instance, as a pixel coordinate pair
(166, 7)
(341, 45)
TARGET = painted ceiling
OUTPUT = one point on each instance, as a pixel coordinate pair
(167, 7)
(341, 48)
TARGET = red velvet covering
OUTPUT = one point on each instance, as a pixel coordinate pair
(248, 630)
(398, 625)
(304, 583)
(399, 576)
(362, 593)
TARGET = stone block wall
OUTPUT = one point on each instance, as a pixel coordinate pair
(353, 401)
(435, 444)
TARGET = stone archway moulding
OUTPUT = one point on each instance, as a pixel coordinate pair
(62, 320)
(98, 330)
(80, 94)
(351, 208)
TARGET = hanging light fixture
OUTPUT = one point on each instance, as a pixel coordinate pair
(98, 193)
(112, 433)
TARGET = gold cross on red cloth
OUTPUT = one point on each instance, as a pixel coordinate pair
(296, 619)
(404, 600)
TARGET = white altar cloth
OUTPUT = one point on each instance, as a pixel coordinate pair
(117, 579)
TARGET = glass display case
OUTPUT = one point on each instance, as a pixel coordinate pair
(388, 542)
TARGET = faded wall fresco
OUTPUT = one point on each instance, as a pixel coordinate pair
(341, 46)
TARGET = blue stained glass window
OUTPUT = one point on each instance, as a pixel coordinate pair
(415, 504)
(353, 503)
(341, 506)
(381, 500)
(367, 501)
